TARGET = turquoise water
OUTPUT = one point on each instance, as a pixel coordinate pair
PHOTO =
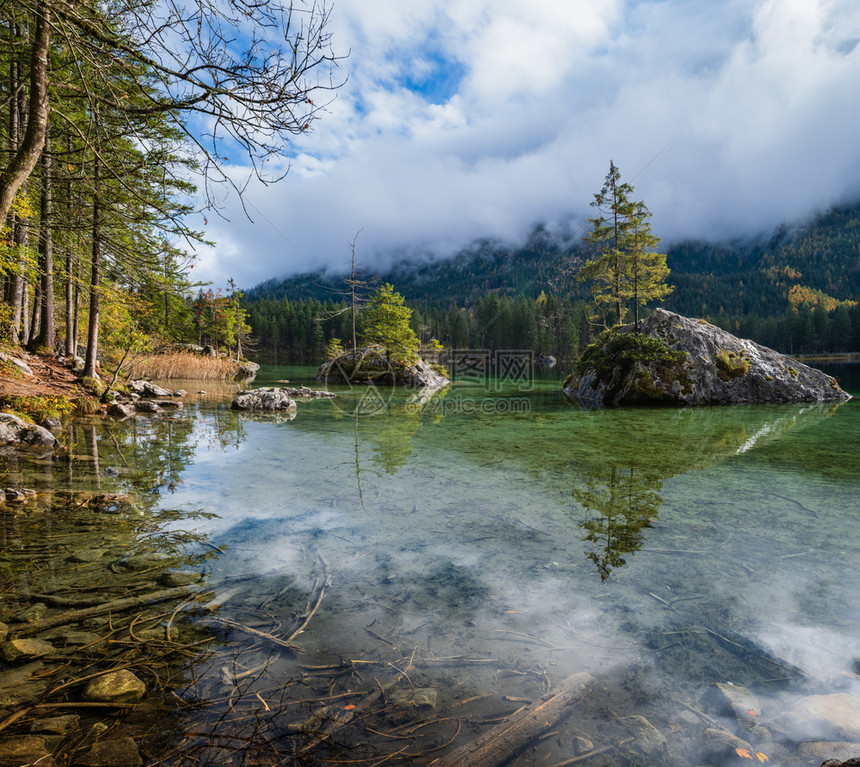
(486, 543)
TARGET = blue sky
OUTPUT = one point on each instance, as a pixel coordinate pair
(464, 119)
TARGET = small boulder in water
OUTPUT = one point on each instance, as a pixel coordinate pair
(263, 399)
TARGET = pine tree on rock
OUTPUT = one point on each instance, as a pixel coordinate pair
(610, 234)
(647, 271)
(388, 325)
(626, 266)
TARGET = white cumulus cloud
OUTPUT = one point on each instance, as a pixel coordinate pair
(481, 118)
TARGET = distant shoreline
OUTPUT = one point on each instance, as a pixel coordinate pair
(843, 357)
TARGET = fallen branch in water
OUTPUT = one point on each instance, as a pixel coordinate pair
(285, 643)
(509, 738)
(116, 605)
(344, 717)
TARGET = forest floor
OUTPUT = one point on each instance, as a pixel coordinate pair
(50, 378)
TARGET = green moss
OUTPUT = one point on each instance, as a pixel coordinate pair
(731, 365)
(644, 385)
(9, 370)
(702, 322)
(94, 385)
(792, 372)
(85, 405)
(613, 349)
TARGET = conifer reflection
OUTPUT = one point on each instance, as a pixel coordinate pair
(621, 502)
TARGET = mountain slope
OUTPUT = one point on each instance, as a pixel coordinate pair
(734, 278)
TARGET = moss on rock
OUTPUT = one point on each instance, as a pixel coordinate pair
(731, 365)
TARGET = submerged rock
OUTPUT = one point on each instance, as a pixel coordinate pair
(18, 495)
(371, 365)
(179, 578)
(418, 697)
(736, 701)
(29, 749)
(642, 742)
(263, 399)
(824, 753)
(116, 687)
(820, 717)
(702, 365)
(18, 649)
(119, 752)
(722, 744)
(55, 725)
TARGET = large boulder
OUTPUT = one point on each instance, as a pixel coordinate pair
(700, 364)
(371, 365)
(271, 398)
(14, 430)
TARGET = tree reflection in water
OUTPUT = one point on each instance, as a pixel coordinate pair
(622, 501)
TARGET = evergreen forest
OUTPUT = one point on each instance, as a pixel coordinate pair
(117, 121)
(796, 291)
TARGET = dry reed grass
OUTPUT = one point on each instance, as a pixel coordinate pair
(184, 365)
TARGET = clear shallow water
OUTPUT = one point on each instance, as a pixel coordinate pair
(499, 541)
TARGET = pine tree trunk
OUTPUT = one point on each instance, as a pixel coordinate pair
(71, 351)
(95, 276)
(71, 292)
(45, 337)
(20, 237)
(35, 315)
(77, 317)
(24, 335)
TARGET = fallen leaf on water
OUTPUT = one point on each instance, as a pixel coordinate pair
(752, 712)
(744, 753)
(761, 757)
(350, 707)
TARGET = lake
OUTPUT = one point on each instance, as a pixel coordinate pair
(441, 561)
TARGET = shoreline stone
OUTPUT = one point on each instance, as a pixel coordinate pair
(270, 398)
(14, 430)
